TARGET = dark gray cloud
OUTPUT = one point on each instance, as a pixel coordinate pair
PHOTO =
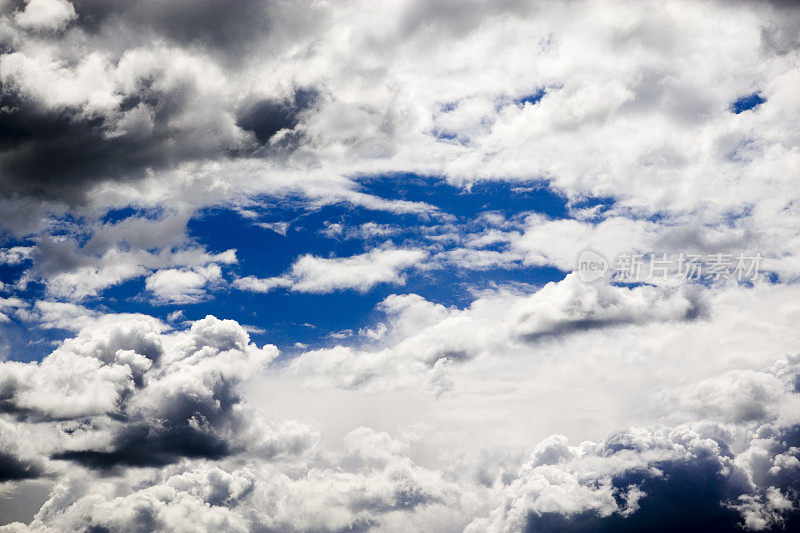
(186, 426)
(59, 154)
(57, 149)
(697, 309)
(267, 117)
(13, 468)
(230, 27)
(694, 494)
(780, 34)
(457, 18)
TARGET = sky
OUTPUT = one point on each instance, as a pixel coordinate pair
(315, 266)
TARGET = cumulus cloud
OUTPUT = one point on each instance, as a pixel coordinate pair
(421, 333)
(157, 100)
(716, 473)
(126, 391)
(374, 483)
(162, 414)
(182, 286)
(16, 460)
(45, 15)
(359, 272)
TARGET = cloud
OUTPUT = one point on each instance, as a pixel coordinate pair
(45, 15)
(164, 107)
(58, 145)
(184, 286)
(82, 261)
(254, 284)
(420, 333)
(266, 118)
(715, 475)
(17, 462)
(14, 305)
(700, 473)
(374, 482)
(213, 25)
(156, 100)
(638, 407)
(128, 392)
(358, 272)
(571, 306)
(62, 315)
(162, 414)
(365, 231)
(15, 255)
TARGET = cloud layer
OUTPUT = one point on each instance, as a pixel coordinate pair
(159, 413)
(397, 195)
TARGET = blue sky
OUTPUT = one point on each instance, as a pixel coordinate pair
(284, 317)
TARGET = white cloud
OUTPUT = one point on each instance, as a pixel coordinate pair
(359, 272)
(14, 305)
(365, 231)
(91, 258)
(661, 107)
(254, 284)
(152, 396)
(182, 286)
(572, 480)
(176, 316)
(420, 332)
(241, 470)
(45, 15)
(653, 128)
(15, 255)
(278, 227)
(61, 315)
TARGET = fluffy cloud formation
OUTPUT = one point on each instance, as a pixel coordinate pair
(424, 337)
(717, 473)
(133, 104)
(123, 391)
(45, 15)
(374, 483)
(127, 392)
(359, 272)
(731, 460)
(536, 81)
(182, 286)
